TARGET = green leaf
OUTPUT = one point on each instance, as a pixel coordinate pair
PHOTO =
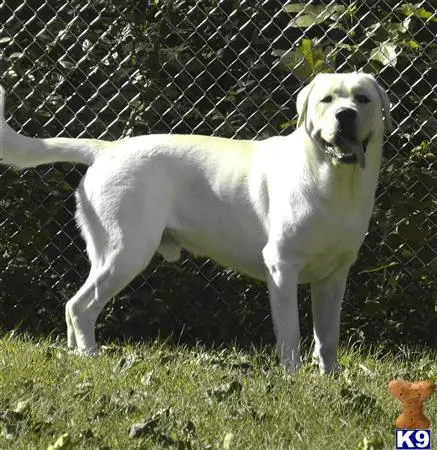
(305, 61)
(63, 442)
(348, 47)
(303, 21)
(372, 443)
(411, 10)
(422, 13)
(380, 268)
(278, 52)
(289, 60)
(352, 9)
(386, 54)
(412, 44)
(16, 55)
(306, 47)
(149, 425)
(314, 14)
(86, 45)
(222, 392)
(288, 124)
(22, 406)
(406, 10)
(294, 7)
(66, 64)
(227, 441)
(148, 378)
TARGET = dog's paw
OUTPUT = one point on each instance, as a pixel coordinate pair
(333, 369)
(291, 366)
(93, 351)
(325, 367)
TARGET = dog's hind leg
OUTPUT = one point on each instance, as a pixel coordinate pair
(121, 238)
(104, 282)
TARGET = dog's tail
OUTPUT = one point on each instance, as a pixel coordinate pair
(21, 151)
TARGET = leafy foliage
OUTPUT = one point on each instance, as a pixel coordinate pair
(113, 69)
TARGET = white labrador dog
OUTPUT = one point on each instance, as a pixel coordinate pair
(287, 210)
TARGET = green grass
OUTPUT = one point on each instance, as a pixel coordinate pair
(197, 398)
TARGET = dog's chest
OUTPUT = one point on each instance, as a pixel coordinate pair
(328, 245)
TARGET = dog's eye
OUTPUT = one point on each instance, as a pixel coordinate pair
(327, 99)
(362, 98)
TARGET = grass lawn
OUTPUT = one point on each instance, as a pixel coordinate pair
(163, 396)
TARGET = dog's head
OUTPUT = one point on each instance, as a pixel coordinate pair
(342, 113)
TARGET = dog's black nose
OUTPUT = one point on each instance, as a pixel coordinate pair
(346, 115)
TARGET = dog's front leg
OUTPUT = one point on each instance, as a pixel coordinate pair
(282, 284)
(326, 298)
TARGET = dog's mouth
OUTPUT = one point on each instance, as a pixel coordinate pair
(346, 150)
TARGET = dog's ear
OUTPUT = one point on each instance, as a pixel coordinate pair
(388, 123)
(302, 103)
(2, 102)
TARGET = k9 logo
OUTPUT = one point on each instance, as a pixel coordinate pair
(413, 439)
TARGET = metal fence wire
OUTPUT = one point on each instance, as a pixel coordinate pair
(111, 69)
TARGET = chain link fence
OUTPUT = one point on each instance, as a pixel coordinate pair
(111, 69)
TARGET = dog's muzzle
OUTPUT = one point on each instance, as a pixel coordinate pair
(346, 150)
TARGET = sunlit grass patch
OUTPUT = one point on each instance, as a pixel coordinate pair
(159, 395)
